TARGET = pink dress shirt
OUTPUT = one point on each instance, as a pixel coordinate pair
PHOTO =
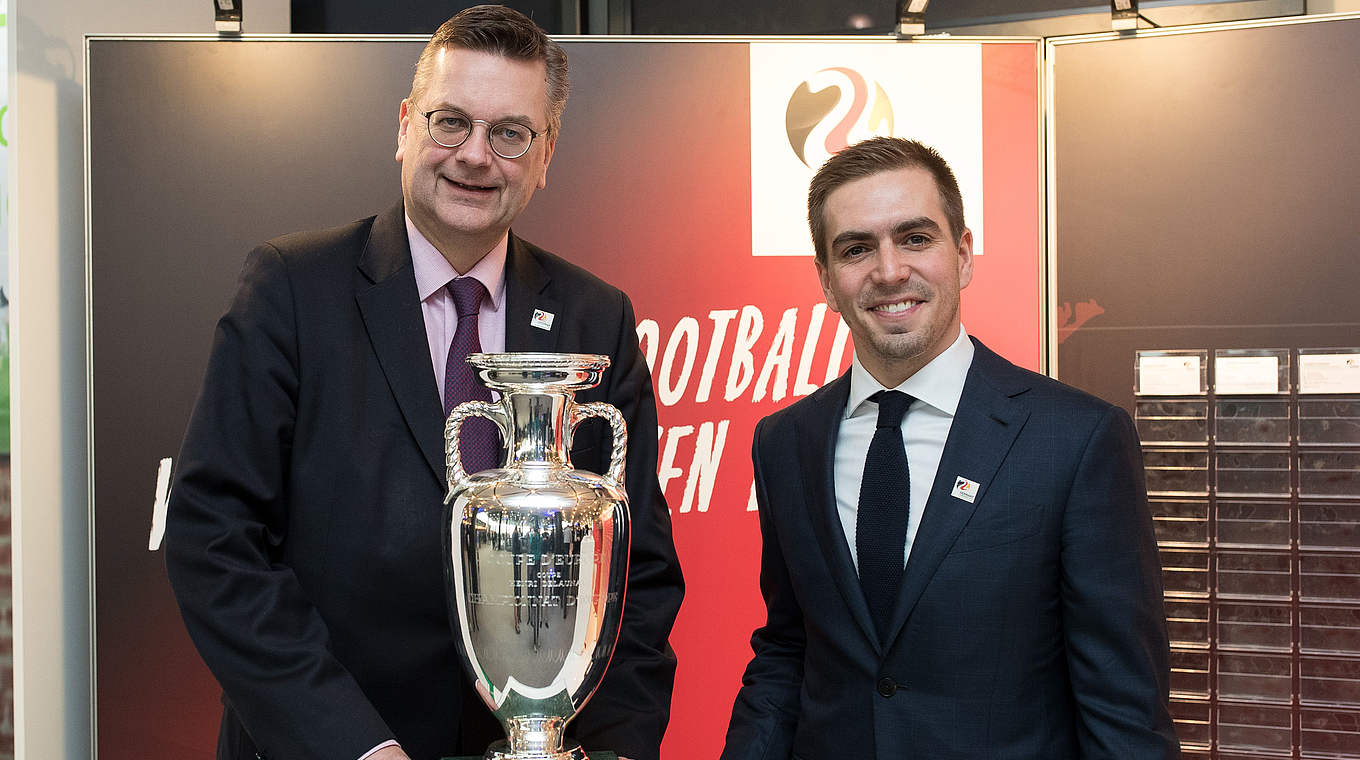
(433, 272)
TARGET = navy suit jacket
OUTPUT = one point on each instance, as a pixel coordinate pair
(1029, 623)
(303, 530)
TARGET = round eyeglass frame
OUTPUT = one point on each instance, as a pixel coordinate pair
(429, 128)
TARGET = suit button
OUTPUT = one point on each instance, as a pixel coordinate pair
(887, 687)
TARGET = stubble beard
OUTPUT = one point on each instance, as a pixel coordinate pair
(913, 345)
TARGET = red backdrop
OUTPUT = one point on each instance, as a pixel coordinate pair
(651, 188)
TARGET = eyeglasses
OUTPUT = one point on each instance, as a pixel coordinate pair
(450, 128)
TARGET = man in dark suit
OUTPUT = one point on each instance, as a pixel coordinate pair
(303, 536)
(958, 557)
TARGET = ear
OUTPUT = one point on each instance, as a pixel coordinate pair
(551, 145)
(403, 125)
(824, 278)
(965, 258)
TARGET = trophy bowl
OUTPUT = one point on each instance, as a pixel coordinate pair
(536, 552)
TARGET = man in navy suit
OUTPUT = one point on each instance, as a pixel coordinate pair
(958, 558)
(303, 537)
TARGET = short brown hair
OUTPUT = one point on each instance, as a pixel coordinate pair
(501, 31)
(880, 154)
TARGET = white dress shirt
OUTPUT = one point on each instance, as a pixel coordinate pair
(925, 428)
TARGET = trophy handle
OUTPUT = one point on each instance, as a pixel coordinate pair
(453, 464)
(615, 417)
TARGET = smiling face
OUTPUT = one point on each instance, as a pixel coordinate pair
(893, 270)
(463, 199)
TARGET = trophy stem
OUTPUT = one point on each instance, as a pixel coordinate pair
(538, 430)
(535, 737)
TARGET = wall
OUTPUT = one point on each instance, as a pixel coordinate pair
(6, 579)
(47, 312)
(1164, 13)
(46, 242)
(367, 17)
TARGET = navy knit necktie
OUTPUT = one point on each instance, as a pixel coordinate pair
(478, 440)
(884, 506)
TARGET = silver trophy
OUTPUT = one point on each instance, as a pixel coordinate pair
(536, 552)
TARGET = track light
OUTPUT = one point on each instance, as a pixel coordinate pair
(1123, 15)
(227, 14)
(911, 17)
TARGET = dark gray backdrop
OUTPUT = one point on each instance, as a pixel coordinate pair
(1206, 190)
(198, 151)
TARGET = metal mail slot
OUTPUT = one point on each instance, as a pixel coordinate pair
(1255, 727)
(1331, 474)
(1243, 473)
(1251, 422)
(1172, 422)
(1177, 473)
(1266, 627)
(1253, 524)
(1329, 422)
(1258, 575)
(1181, 522)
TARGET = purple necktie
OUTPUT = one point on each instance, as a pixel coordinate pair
(478, 440)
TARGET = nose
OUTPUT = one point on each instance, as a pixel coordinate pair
(891, 266)
(476, 149)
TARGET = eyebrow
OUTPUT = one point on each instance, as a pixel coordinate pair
(923, 223)
(518, 118)
(918, 223)
(850, 236)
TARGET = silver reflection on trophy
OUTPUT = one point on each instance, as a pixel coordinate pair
(536, 552)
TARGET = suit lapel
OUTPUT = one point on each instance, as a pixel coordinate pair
(530, 312)
(390, 306)
(817, 434)
(984, 428)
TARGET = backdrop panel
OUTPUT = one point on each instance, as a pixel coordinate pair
(1202, 193)
(651, 186)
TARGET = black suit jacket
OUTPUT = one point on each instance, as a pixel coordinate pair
(303, 530)
(1029, 623)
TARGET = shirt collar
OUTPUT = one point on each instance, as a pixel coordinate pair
(433, 271)
(939, 383)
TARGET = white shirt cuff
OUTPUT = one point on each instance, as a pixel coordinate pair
(388, 743)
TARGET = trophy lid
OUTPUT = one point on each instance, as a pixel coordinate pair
(529, 370)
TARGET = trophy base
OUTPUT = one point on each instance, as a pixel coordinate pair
(501, 751)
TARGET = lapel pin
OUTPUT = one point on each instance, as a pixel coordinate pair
(964, 489)
(542, 319)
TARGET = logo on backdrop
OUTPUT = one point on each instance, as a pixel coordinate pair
(809, 100)
(833, 109)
